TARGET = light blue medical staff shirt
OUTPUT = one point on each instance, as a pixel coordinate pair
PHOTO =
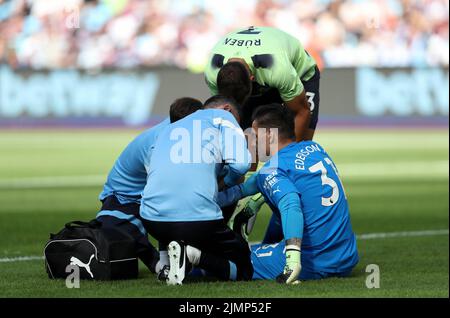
(186, 161)
(128, 177)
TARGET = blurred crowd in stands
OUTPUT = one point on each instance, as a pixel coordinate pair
(94, 34)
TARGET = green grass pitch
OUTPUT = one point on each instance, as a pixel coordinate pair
(396, 181)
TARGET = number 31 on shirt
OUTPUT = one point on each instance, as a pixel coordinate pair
(327, 181)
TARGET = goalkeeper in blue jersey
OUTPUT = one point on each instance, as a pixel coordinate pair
(310, 235)
(121, 194)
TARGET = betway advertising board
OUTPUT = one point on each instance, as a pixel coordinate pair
(140, 97)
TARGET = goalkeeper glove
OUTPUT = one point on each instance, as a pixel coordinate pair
(245, 219)
(293, 266)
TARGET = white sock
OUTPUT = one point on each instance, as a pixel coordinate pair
(193, 255)
(158, 267)
(163, 260)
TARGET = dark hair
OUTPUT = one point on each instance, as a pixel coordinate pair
(233, 80)
(218, 100)
(276, 116)
(183, 107)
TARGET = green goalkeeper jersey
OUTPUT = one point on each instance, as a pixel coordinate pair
(276, 59)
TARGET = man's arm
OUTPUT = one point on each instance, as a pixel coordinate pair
(286, 79)
(235, 174)
(284, 195)
(292, 224)
(234, 194)
(300, 106)
(291, 217)
(234, 149)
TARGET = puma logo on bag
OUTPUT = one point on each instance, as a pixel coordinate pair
(77, 262)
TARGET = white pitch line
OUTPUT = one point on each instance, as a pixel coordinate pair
(372, 236)
(369, 236)
(53, 182)
(20, 259)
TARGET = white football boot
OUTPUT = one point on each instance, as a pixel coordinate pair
(177, 261)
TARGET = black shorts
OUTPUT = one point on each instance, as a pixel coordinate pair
(111, 203)
(125, 226)
(269, 96)
(213, 237)
(132, 226)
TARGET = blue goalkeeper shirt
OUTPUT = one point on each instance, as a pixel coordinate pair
(128, 177)
(328, 242)
(188, 157)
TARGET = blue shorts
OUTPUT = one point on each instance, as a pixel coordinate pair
(269, 260)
